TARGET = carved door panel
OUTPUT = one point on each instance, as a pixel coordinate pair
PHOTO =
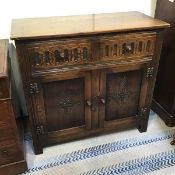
(60, 105)
(64, 104)
(125, 91)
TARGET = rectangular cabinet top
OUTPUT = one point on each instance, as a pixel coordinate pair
(3, 58)
(30, 28)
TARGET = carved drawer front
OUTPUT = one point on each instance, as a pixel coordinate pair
(10, 154)
(50, 54)
(127, 46)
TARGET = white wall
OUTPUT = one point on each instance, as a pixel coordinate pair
(40, 8)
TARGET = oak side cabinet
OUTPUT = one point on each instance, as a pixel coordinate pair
(89, 74)
(11, 150)
(164, 93)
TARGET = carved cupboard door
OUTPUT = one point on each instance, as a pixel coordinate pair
(125, 92)
(62, 111)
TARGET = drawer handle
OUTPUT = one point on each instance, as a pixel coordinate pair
(3, 152)
(92, 106)
(88, 102)
(102, 100)
(127, 48)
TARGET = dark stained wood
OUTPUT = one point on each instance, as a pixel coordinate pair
(65, 99)
(11, 150)
(83, 25)
(65, 102)
(102, 103)
(13, 168)
(95, 98)
(76, 133)
(122, 94)
(4, 82)
(117, 58)
(10, 154)
(164, 94)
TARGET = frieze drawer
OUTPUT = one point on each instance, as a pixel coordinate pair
(50, 54)
(60, 53)
(127, 46)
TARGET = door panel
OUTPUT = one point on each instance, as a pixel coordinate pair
(124, 90)
(64, 104)
(60, 105)
(122, 94)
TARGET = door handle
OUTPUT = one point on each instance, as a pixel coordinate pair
(88, 102)
(95, 101)
(102, 100)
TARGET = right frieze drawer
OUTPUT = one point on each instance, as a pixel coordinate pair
(127, 46)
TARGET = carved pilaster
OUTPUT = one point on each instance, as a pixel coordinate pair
(142, 112)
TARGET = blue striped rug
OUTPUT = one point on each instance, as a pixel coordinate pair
(146, 153)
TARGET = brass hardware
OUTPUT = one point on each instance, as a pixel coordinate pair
(142, 112)
(34, 88)
(150, 71)
(3, 152)
(88, 103)
(94, 102)
(102, 100)
(40, 130)
(126, 48)
(62, 54)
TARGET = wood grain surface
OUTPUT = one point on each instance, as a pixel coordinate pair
(3, 57)
(82, 25)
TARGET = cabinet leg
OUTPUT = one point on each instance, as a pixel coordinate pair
(142, 125)
(38, 150)
(142, 128)
(142, 119)
(173, 142)
(37, 146)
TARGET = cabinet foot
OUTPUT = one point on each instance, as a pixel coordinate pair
(142, 128)
(173, 142)
(38, 151)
